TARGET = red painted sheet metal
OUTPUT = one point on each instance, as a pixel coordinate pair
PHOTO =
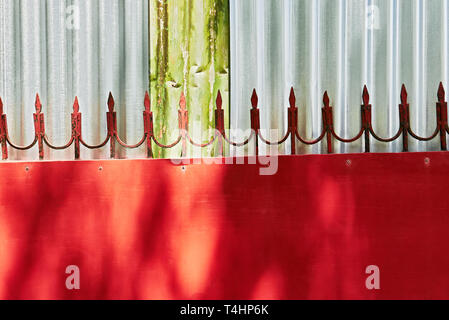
(152, 230)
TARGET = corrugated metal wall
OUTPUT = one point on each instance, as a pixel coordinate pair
(313, 45)
(339, 45)
(43, 50)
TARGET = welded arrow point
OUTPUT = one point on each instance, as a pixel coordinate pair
(76, 106)
(254, 99)
(365, 96)
(38, 104)
(326, 99)
(111, 102)
(182, 101)
(404, 95)
(441, 93)
(219, 101)
(1, 106)
(147, 102)
(292, 98)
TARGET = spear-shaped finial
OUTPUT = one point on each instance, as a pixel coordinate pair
(76, 106)
(219, 101)
(441, 93)
(182, 101)
(254, 99)
(147, 102)
(111, 102)
(404, 95)
(326, 99)
(292, 98)
(38, 104)
(1, 106)
(365, 96)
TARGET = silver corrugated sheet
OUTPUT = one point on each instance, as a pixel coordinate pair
(312, 45)
(43, 48)
(338, 46)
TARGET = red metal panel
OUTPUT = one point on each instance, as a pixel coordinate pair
(148, 229)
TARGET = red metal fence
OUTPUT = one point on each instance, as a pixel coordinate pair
(220, 136)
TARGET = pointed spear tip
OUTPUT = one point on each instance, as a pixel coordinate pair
(182, 101)
(1, 106)
(403, 94)
(111, 102)
(326, 99)
(365, 95)
(219, 100)
(254, 99)
(76, 106)
(38, 103)
(292, 91)
(292, 98)
(147, 102)
(441, 93)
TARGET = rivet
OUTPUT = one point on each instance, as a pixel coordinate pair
(27, 169)
(427, 161)
(348, 163)
(100, 169)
